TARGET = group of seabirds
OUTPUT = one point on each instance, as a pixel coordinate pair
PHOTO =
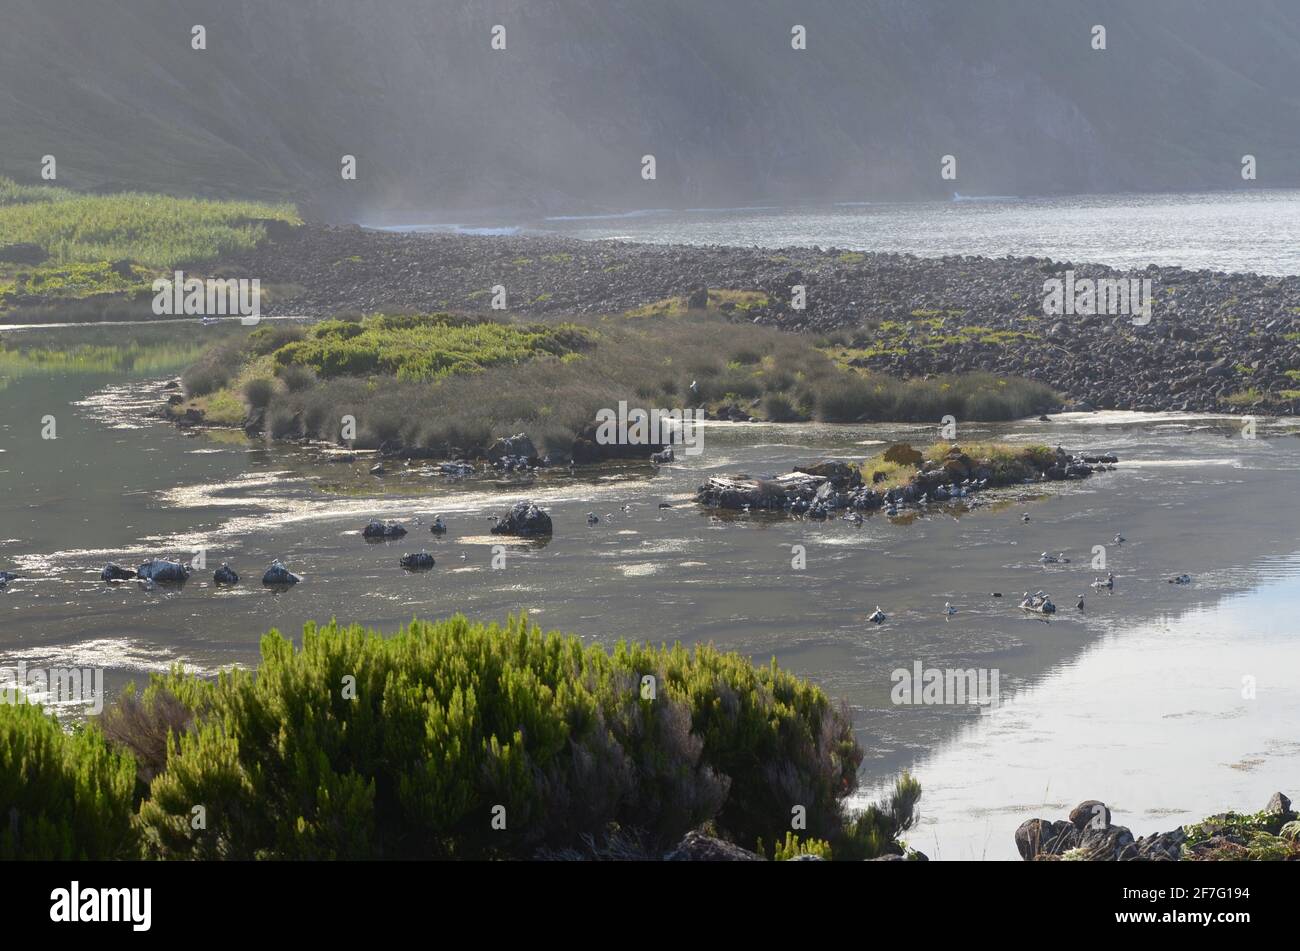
(163, 571)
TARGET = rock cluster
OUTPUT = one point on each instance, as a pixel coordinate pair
(818, 491)
(1088, 834)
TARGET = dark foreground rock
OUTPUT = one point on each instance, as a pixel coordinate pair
(418, 561)
(524, 519)
(113, 572)
(698, 847)
(225, 575)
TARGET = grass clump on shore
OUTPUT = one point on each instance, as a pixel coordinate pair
(454, 739)
(453, 383)
(1257, 837)
(1000, 463)
(156, 231)
(719, 299)
(426, 347)
(101, 253)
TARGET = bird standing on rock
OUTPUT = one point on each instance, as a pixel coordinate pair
(877, 616)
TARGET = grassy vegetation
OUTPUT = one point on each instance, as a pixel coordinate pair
(719, 299)
(454, 383)
(1257, 837)
(1246, 397)
(156, 231)
(1007, 464)
(115, 245)
(447, 740)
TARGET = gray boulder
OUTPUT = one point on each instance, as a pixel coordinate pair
(278, 575)
(162, 571)
(1279, 804)
(523, 519)
(518, 445)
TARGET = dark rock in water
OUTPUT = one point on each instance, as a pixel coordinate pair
(279, 575)
(665, 505)
(698, 847)
(518, 445)
(380, 529)
(23, 253)
(114, 572)
(663, 457)
(419, 561)
(7, 576)
(525, 519)
(225, 575)
(162, 571)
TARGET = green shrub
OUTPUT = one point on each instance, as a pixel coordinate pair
(258, 392)
(779, 408)
(212, 372)
(451, 719)
(66, 795)
(874, 831)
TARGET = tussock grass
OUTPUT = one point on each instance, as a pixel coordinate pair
(455, 382)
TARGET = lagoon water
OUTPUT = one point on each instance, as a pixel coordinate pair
(1138, 700)
(1245, 230)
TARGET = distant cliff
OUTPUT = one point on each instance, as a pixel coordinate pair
(560, 119)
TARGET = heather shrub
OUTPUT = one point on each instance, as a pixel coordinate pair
(363, 746)
(65, 795)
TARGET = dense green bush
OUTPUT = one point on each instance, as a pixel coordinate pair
(426, 347)
(448, 720)
(64, 795)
